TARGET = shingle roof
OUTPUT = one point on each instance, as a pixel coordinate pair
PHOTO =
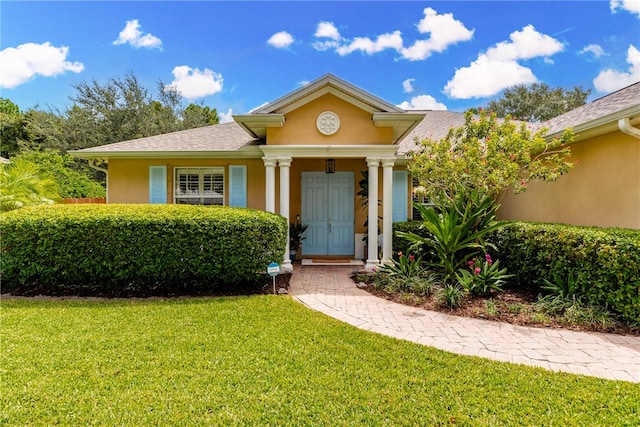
(230, 137)
(223, 137)
(435, 125)
(610, 104)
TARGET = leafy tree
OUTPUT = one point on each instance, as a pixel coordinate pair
(487, 156)
(21, 186)
(122, 109)
(12, 128)
(59, 168)
(538, 102)
(196, 116)
(119, 110)
(45, 130)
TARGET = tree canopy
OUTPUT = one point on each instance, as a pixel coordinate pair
(100, 113)
(488, 156)
(538, 102)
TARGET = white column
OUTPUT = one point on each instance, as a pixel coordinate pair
(387, 209)
(372, 242)
(270, 184)
(285, 164)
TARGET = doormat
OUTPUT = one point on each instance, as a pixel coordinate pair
(332, 262)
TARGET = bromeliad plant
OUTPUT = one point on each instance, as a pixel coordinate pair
(408, 274)
(483, 276)
(455, 233)
(404, 266)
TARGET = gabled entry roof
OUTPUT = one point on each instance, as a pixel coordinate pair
(323, 85)
(383, 113)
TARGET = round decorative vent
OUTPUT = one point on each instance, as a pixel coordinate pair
(328, 123)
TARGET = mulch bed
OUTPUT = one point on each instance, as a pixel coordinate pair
(514, 306)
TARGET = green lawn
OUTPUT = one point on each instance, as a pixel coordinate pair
(265, 360)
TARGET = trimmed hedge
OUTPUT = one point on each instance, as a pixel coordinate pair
(136, 249)
(606, 262)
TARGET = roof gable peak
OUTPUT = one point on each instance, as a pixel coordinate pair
(328, 83)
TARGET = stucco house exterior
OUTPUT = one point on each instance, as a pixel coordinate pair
(303, 155)
(603, 189)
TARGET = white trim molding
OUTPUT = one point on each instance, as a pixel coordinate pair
(334, 151)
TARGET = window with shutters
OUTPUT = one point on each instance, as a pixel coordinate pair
(199, 186)
(418, 196)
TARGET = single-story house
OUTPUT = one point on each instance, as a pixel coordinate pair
(603, 189)
(303, 156)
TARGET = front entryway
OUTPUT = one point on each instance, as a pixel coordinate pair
(328, 206)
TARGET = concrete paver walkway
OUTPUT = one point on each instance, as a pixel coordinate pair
(330, 290)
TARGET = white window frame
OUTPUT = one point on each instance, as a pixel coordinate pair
(415, 214)
(199, 195)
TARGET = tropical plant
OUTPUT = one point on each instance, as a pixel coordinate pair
(72, 178)
(296, 237)
(456, 233)
(565, 288)
(404, 266)
(364, 204)
(450, 295)
(482, 276)
(21, 186)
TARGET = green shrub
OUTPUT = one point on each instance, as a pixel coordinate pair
(401, 244)
(606, 261)
(136, 249)
(61, 169)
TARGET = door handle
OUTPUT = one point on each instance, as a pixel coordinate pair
(330, 225)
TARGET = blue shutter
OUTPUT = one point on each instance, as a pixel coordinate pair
(238, 186)
(400, 196)
(158, 184)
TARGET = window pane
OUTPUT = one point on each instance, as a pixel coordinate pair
(200, 186)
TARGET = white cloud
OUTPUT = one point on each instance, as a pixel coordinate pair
(327, 30)
(595, 49)
(407, 85)
(611, 80)
(132, 35)
(24, 62)
(281, 40)
(226, 117)
(422, 102)
(444, 31)
(258, 107)
(368, 46)
(193, 83)
(330, 34)
(498, 67)
(632, 6)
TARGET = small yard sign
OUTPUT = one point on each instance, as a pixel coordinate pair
(273, 270)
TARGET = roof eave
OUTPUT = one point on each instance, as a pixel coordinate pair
(402, 123)
(256, 124)
(600, 125)
(243, 153)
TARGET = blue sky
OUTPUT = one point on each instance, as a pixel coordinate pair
(236, 56)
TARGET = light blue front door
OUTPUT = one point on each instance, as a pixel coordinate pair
(328, 209)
